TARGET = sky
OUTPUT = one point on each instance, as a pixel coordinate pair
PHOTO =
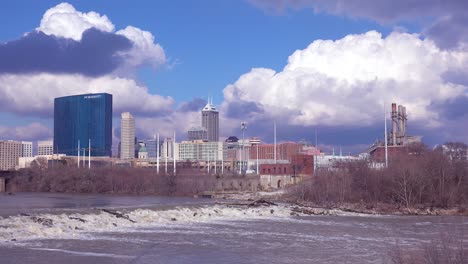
(313, 66)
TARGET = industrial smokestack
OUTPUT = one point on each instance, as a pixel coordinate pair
(394, 123)
(403, 127)
(400, 125)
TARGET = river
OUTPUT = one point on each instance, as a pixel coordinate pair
(70, 228)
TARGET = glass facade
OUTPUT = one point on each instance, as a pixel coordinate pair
(83, 118)
(152, 147)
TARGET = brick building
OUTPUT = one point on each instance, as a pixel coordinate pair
(300, 165)
(284, 151)
(378, 154)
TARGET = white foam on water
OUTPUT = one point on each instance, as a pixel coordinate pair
(89, 254)
(82, 226)
(85, 226)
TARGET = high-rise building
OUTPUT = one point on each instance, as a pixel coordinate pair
(197, 133)
(210, 121)
(27, 147)
(127, 136)
(10, 151)
(45, 148)
(83, 122)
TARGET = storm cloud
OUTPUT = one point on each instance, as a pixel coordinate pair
(443, 21)
(32, 131)
(383, 11)
(243, 109)
(195, 105)
(96, 54)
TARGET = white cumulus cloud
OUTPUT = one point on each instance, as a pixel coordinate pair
(345, 82)
(165, 125)
(34, 94)
(144, 50)
(64, 20)
(31, 131)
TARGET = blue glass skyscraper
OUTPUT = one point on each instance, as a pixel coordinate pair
(83, 118)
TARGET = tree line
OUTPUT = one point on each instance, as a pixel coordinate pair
(122, 180)
(421, 177)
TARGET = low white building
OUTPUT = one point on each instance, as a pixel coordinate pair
(10, 151)
(202, 150)
(40, 160)
(27, 149)
(169, 150)
(25, 162)
(329, 161)
(45, 148)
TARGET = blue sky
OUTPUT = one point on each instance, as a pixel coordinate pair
(213, 48)
(209, 43)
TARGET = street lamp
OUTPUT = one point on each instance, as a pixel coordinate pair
(243, 128)
(258, 172)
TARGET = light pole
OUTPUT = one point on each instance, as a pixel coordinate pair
(385, 137)
(157, 155)
(89, 154)
(243, 128)
(208, 162)
(222, 159)
(78, 153)
(274, 138)
(216, 159)
(173, 153)
(258, 172)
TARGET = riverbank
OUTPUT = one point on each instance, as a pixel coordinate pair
(310, 208)
(117, 229)
(300, 207)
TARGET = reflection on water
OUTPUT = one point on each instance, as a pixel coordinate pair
(183, 230)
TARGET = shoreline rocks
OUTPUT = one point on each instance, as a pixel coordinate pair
(309, 208)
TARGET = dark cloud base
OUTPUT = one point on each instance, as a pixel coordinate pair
(195, 105)
(352, 140)
(95, 55)
(447, 18)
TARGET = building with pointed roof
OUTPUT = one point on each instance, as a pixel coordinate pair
(210, 121)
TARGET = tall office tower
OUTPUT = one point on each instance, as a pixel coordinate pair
(45, 148)
(127, 136)
(10, 151)
(80, 120)
(27, 148)
(210, 121)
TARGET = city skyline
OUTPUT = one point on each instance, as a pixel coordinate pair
(308, 65)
